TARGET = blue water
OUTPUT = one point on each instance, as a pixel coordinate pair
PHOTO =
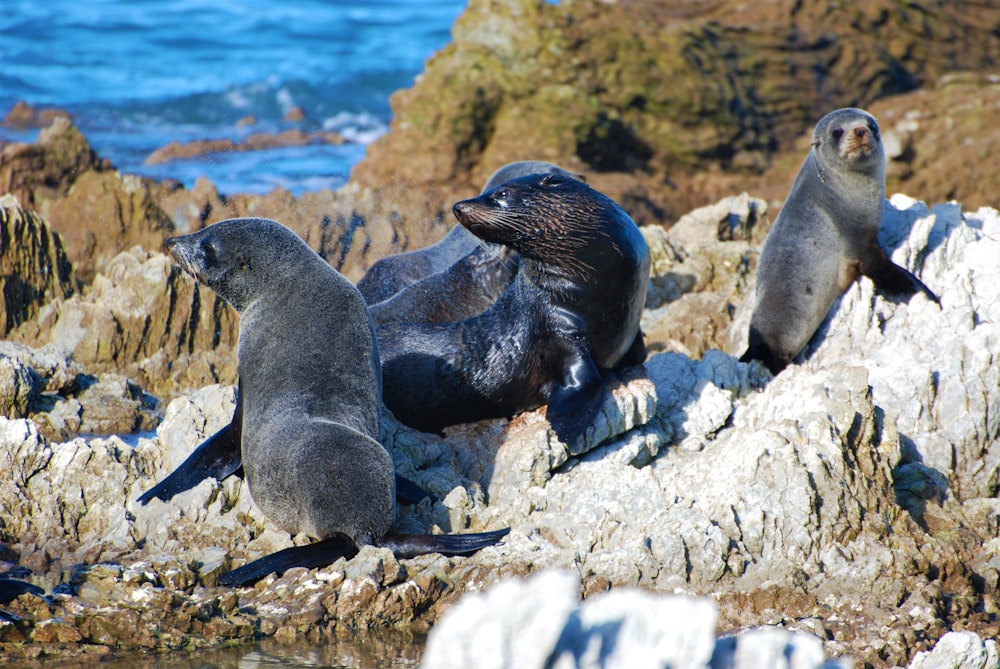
(138, 74)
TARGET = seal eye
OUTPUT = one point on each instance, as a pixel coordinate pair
(873, 127)
(837, 134)
(211, 248)
(500, 196)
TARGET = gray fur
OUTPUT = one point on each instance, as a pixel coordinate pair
(824, 238)
(310, 380)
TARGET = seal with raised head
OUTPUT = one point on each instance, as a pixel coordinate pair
(310, 397)
(571, 313)
(824, 238)
(459, 277)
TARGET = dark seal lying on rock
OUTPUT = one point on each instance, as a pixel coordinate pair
(824, 238)
(457, 278)
(12, 588)
(571, 313)
(310, 397)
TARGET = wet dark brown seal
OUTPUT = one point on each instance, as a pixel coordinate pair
(571, 313)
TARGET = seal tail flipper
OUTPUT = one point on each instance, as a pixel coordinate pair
(412, 545)
(217, 457)
(12, 588)
(893, 280)
(328, 551)
(310, 556)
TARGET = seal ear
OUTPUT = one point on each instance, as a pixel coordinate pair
(551, 180)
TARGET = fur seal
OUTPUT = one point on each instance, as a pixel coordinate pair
(459, 277)
(571, 312)
(824, 238)
(12, 588)
(310, 397)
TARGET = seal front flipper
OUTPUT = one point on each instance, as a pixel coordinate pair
(217, 457)
(893, 280)
(758, 349)
(575, 401)
(310, 556)
(636, 354)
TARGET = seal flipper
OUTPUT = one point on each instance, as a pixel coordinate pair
(217, 457)
(408, 492)
(328, 551)
(758, 349)
(412, 545)
(893, 280)
(310, 556)
(575, 401)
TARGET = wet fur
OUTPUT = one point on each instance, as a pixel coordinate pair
(571, 312)
(459, 277)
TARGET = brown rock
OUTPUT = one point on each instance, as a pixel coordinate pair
(34, 267)
(943, 136)
(145, 319)
(295, 114)
(36, 173)
(23, 116)
(105, 213)
(658, 90)
(255, 142)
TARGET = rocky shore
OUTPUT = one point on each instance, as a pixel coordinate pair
(844, 511)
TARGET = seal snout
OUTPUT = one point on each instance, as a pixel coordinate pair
(469, 214)
(462, 210)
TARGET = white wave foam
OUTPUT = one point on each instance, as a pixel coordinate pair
(362, 128)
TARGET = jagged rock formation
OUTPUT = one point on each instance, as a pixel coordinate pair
(851, 497)
(34, 267)
(144, 318)
(540, 622)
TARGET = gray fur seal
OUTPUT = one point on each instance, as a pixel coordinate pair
(571, 313)
(459, 277)
(824, 238)
(310, 397)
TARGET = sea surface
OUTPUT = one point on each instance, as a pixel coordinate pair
(136, 75)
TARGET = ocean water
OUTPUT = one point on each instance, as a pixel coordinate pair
(138, 74)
